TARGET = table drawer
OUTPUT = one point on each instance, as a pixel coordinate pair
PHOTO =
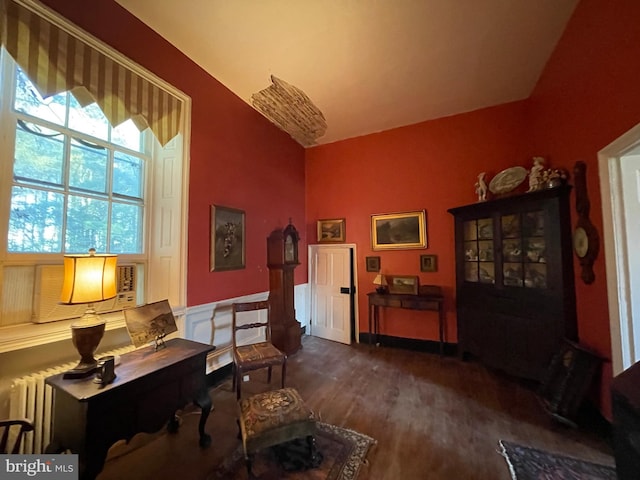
(417, 304)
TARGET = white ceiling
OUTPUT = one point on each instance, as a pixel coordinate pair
(368, 65)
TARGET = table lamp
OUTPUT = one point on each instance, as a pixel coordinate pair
(381, 282)
(88, 278)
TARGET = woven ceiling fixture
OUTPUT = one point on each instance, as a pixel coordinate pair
(291, 110)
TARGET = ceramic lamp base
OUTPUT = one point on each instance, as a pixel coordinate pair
(86, 338)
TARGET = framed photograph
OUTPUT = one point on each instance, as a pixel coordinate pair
(373, 264)
(331, 231)
(408, 284)
(394, 231)
(149, 322)
(227, 239)
(428, 263)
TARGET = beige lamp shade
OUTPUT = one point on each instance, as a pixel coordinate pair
(380, 280)
(88, 278)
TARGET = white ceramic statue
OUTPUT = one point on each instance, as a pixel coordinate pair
(535, 175)
(481, 188)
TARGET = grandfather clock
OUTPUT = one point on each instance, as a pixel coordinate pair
(282, 259)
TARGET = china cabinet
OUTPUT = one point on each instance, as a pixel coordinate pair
(515, 290)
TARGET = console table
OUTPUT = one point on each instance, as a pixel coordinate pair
(149, 388)
(430, 298)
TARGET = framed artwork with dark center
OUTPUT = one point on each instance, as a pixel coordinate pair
(227, 249)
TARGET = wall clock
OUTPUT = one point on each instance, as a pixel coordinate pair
(586, 241)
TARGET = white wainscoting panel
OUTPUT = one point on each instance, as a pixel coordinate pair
(211, 324)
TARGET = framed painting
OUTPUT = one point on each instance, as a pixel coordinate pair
(395, 231)
(331, 230)
(227, 247)
(373, 264)
(149, 322)
(428, 263)
(408, 284)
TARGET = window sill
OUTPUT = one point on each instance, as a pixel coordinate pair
(18, 337)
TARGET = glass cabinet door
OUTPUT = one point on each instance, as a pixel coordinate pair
(523, 250)
(478, 251)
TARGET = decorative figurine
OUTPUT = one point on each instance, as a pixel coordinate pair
(481, 187)
(535, 175)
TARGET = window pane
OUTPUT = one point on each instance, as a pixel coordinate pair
(38, 157)
(89, 119)
(127, 135)
(88, 168)
(126, 228)
(87, 220)
(28, 100)
(35, 221)
(127, 175)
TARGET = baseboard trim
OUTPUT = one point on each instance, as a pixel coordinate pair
(414, 344)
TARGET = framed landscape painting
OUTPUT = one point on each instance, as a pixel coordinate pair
(227, 248)
(149, 322)
(407, 284)
(395, 231)
(331, 231)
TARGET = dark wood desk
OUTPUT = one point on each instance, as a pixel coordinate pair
(150, 387)
(430, 298)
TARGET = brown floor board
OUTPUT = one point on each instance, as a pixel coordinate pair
(432, 417)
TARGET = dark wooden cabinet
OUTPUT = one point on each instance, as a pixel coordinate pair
(625, 394)
(515, 290)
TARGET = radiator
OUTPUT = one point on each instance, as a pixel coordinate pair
(31, 398)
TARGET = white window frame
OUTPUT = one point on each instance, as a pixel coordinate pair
(165, 220)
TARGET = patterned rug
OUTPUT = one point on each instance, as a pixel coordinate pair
(343, 452)
(531, 464)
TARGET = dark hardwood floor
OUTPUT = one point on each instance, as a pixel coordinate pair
(432, 417)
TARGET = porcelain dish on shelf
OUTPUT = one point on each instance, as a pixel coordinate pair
(507, 180)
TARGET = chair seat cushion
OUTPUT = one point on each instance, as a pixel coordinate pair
(274, 417)
(263, 352)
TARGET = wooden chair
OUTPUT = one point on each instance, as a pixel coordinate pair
(18, 429)
(254, 356)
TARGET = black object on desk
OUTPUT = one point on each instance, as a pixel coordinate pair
(150, 387)
(430, 298)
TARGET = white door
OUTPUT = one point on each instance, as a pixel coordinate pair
(620, 189)
(331, 293)
(630, 176)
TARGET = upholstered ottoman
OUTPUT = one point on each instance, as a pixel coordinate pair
(272, 418)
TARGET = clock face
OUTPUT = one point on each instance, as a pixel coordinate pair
(580, 242)
(289, 253)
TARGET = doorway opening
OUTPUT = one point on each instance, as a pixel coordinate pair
(619, 168)
(332, 291)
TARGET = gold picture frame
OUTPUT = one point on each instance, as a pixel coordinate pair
(227, 248)
(331, 230)
(397, 231)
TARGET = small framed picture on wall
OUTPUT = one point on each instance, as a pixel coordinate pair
(428, 263)
(373, 264)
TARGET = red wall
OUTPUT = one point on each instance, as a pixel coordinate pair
(432, 166)
(238, 158)
(587, 97)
